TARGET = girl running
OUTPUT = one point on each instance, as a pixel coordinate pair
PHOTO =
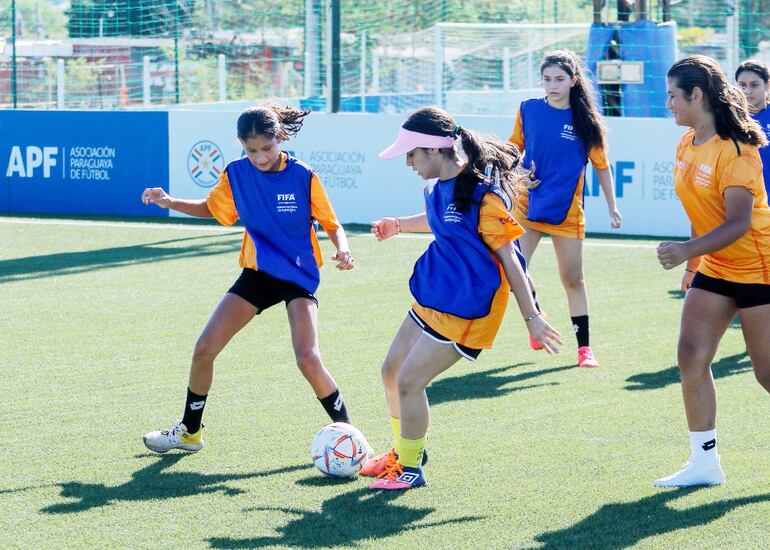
(460, 284)
(559, 134)
(752, 77)
(718, 178)
(277, 198)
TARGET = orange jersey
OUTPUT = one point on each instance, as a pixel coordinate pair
(497, 228)
(573, 225)
(222, 206)
(701, 175)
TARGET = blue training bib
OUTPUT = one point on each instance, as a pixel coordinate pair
(275, 208)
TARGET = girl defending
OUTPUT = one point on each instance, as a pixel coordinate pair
(559, 134)
(276, 197)
(460, 284)
(718, 178)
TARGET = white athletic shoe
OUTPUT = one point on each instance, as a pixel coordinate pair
(175, 437)
(694, 474)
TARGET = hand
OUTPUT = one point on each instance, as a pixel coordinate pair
(544, 334)
(687, 278)
(671, 254)
(344, 260)
(615, 217)
(385, 228)
(157, 196)
(528, 180)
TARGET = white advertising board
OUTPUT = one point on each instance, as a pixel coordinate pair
(343, 148)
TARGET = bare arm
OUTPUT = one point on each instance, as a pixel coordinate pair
(388, 227)
(538, 328)
(739, 203)
(608, 188)
(343, 257)
(157, 196)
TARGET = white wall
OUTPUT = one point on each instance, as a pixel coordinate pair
(343, 150)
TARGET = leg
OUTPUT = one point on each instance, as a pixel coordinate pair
(230, 316)
(406, 337)
(303, 321)
(705, 318)
(425, 361)
(569, 256)
(528, 243)
(756, 332)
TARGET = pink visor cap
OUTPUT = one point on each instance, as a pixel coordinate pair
(408, 140)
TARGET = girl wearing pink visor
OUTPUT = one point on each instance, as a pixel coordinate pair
(460, 284)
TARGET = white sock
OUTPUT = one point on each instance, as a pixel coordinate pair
(703, 447)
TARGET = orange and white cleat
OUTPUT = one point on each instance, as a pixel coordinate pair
(586, 358)
(378, 464)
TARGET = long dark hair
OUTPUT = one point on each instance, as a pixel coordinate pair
(754, 66)
(585, 116)
(727, 103)
(481, 152)
(271, 120)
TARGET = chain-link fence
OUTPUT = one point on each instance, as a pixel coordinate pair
(470, 56)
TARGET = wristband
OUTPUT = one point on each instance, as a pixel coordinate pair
(398, 226)
(689, 270)
(528, 319)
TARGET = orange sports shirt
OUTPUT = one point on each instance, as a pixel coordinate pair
(222, 206)
(496, 227)
(574, 225)
(701, 175)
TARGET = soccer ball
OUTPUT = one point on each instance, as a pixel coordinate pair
(339, 450)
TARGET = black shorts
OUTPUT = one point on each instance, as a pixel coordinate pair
(263, 291)
(744, 294)
(471, 354)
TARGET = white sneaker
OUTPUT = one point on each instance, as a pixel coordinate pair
(175, 437)
(694, 474)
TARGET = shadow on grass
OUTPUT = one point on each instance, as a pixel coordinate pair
(153, 482)
(625, 524)
(485, 384)
(727, 366)
(343, 520)
(69, 263)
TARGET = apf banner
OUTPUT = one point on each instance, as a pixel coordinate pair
(82, 162)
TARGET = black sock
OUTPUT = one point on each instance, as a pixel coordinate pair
(193, 411)
(335, 407)
(580, 326)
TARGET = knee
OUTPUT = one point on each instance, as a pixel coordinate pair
(763, 376)
(573, 280)
(205, 350)
(389, 372)
(407, 385)
(693, 358)
(309, 361)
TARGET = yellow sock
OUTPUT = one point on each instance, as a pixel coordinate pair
(410, 451)
(395, 426)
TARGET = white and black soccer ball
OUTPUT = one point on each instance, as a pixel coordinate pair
(339, 450)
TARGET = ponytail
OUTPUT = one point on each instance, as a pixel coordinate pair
(270, 120)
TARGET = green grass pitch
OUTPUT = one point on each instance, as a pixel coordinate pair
(97, 324)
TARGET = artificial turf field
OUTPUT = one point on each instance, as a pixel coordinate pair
(97, 325)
